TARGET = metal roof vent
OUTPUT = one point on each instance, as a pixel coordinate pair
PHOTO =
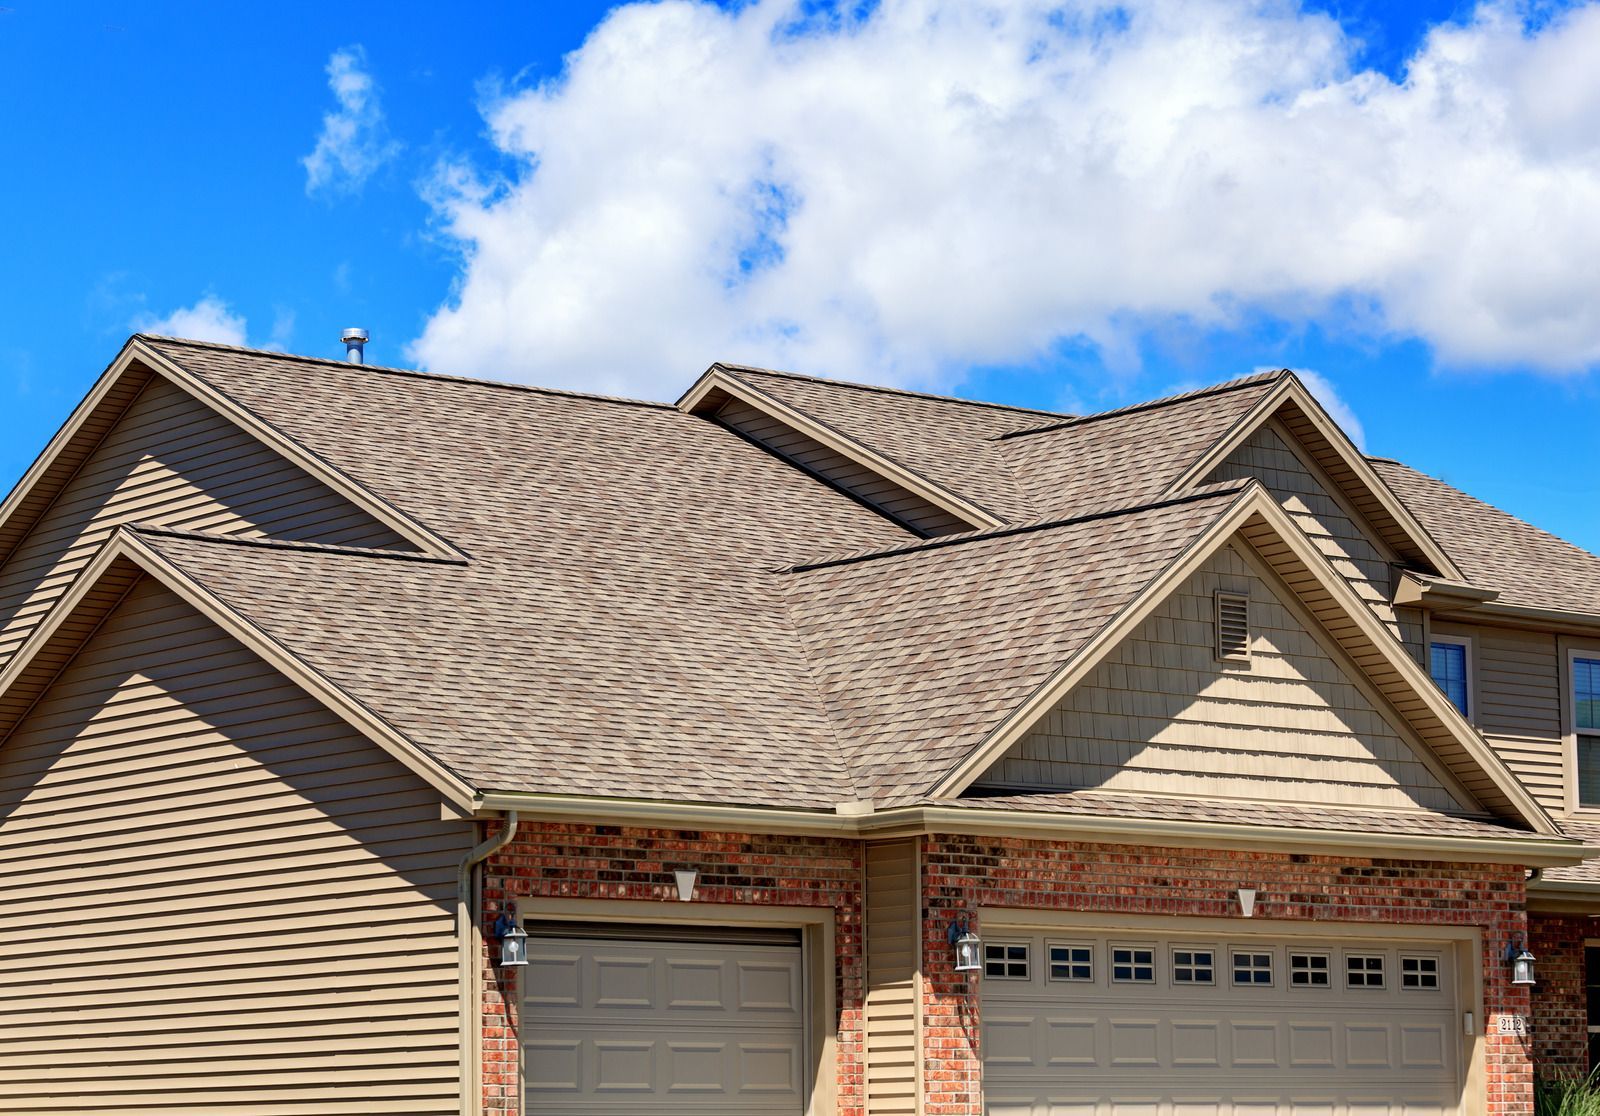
(355, 344)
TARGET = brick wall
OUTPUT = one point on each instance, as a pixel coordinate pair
(963, 874)
(1560, 1010)
(612, 862)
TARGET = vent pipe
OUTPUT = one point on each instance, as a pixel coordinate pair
(355, 343)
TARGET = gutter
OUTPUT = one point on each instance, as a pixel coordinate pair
(859, 821)
(469, 967)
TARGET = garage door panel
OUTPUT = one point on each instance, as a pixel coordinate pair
(1221, 1034)
(629, 1028)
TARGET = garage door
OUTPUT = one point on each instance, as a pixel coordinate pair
(1113, 1025)
(626, 1022)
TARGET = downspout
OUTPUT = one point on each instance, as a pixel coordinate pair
(470, 993)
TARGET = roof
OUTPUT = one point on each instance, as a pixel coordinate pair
(1495, 549)
(627, 600)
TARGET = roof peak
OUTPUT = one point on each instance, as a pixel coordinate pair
(415, 373)
(1153, 404)
(886, 390)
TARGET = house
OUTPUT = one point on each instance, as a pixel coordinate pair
(1242, 766)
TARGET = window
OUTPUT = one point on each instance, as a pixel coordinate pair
(1419, 972)
(1450, 663)
(1071, 962)
(1005, 960)
(1362, 970)
(1252, 968)
(1233, 627)
(1194, 966)
(1586, 725)
(1133, 965)
(1591, 988)
(1309, 970)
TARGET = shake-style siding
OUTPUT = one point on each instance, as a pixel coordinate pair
(1349, 547)
(1161, 713)
(172, 461)
(217, 897)
(858, 480)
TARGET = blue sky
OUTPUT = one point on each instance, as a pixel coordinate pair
(1073, 208)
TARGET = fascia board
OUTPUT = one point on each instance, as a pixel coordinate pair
(124, 544)
(907, 821)
(287, 447)
(719, 378)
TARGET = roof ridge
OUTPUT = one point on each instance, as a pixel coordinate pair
(1203, 492)
(155, 529)
(1154, 404)
(417, 373)
(886, 390)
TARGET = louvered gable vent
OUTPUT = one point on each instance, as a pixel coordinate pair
(1233, 626)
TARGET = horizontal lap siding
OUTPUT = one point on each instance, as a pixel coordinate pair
(892, 932)
(838, 469)
(275, 893)
(1517, 685)
(174, 462)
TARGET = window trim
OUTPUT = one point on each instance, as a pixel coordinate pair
(1153, 948)
(1469, 668)
(1366, 985)
(1437, 972)
(1571, 651)
(1026, 961)
(1175, 948)
(1253, 952)
(1050, 962)
(1327, 970)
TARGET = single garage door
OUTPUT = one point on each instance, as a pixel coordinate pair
(625, 1021)
(1131, 1025)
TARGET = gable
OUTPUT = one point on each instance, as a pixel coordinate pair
(1160, 714)
(171, 461)
(1270, 455)
(175, 784)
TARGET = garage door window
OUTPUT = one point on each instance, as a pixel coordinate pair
(1006, 960)
(1309, 970)
(1419, 972)
(1069, 961)
(1363, 970)
(1252, 968)
(1133, 965)
(1193, 966)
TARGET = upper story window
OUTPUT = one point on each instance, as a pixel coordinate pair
(1586, 725)
(1450, 663)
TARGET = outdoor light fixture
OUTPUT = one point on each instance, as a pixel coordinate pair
(513, 941)
(686, 880)
(967, 945)
(1521, 962)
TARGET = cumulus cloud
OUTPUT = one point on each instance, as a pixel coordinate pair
(354, 141)
(937, 183)
(1322, 389)
(209, 319)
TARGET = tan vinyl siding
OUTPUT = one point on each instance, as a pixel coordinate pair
(857, 479)
(269, 897)
(893, 935)
(1162, 714)
(1517, 689)
(1267, 457)
(171, 461)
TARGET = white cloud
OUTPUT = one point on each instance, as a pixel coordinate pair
(354, 142)
(946, 182)
(210, 319)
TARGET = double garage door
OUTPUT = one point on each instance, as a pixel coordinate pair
(618, 1021)
(1144, 1025)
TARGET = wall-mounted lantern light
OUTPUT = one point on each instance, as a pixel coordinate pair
(1521, 962)
(513, 941)
(968, 947)
(686, 880)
